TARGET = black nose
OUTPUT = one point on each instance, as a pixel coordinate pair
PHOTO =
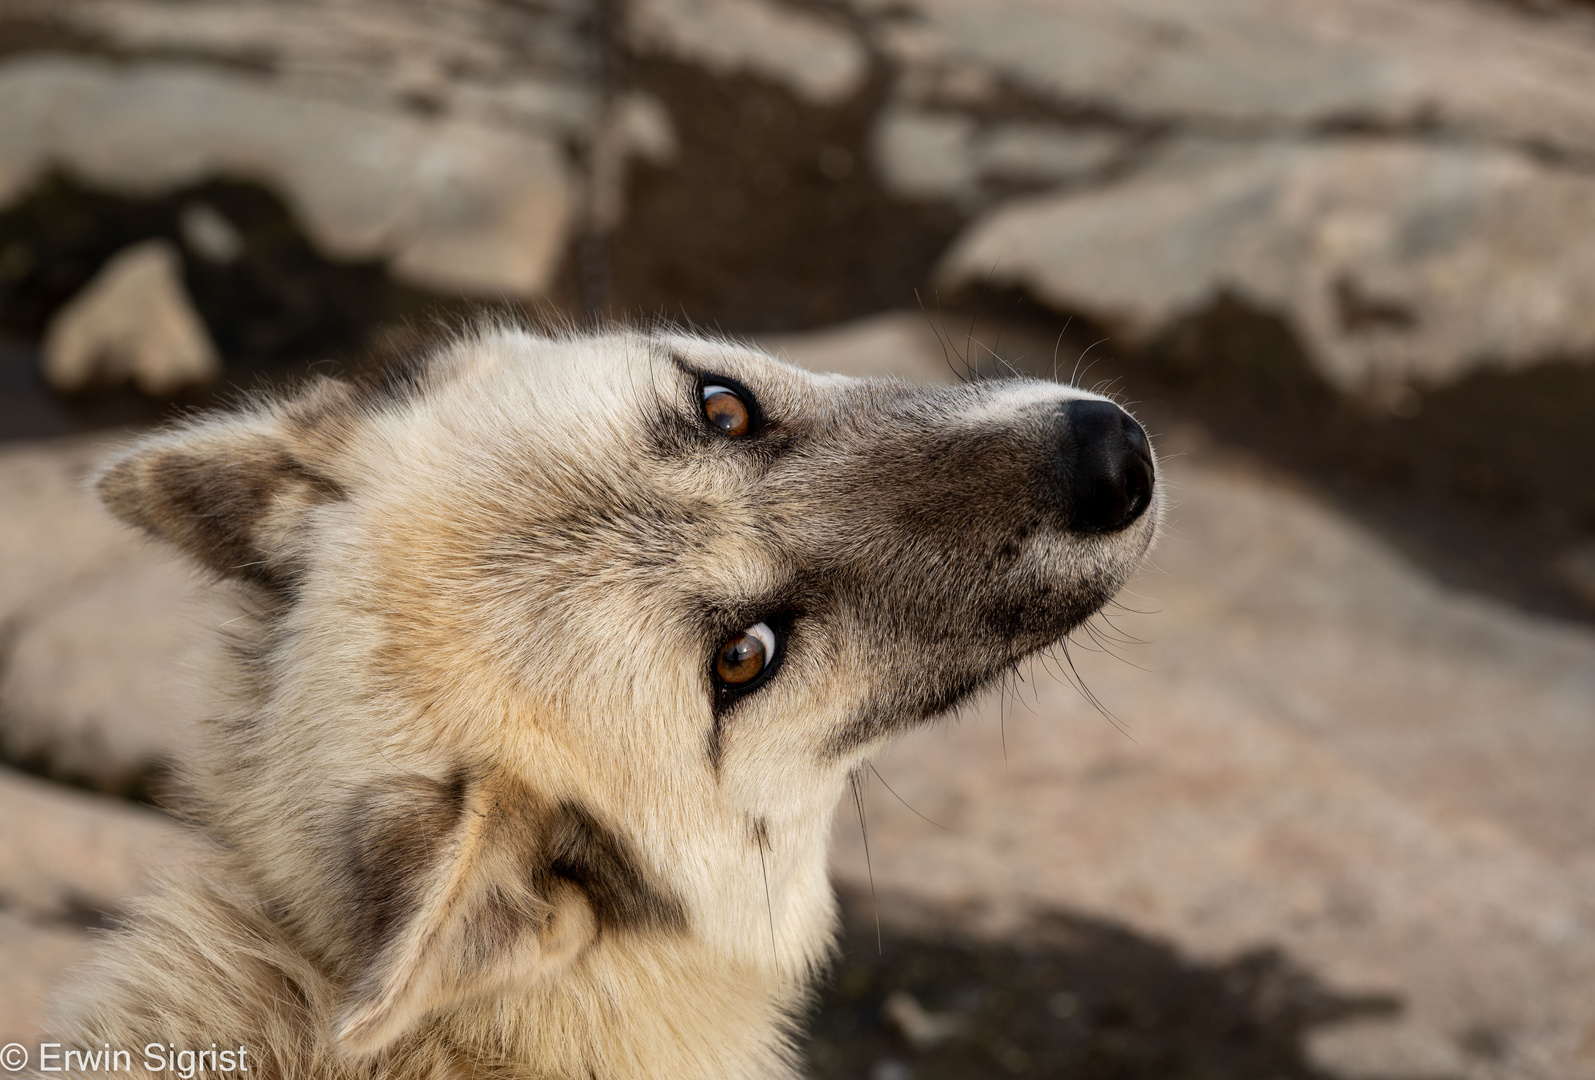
(1104, 467)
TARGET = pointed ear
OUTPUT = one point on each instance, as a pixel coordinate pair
(460, 890)
(229, 490)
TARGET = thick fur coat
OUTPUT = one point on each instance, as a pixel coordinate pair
(496, 798)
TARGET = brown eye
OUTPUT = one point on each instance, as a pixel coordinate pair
(745, 655)
(726, 411)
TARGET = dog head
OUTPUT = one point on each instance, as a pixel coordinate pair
(574, 637)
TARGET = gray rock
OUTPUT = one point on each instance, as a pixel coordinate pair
(819, 59)
(453, 204)
(1447, 244)
(1400, 263)
(113, 647)
(1263, 66)
(518, 65)
(940, 154)
(106, 682)
(64, 851)
(900, 345)
(66, 858)
(1036, 153)
(926, 155)
(35, 958)
(53, 535)
(133, 322)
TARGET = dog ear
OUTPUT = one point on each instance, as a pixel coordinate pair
(230, 490)
(455, 894)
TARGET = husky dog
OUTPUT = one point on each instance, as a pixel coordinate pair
(566, 647)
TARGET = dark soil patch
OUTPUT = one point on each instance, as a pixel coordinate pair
(772, 217)
(1075, 997)
(278, 307)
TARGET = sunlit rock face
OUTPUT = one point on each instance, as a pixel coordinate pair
(427, 137)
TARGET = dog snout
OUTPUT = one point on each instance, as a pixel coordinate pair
(1104, 465)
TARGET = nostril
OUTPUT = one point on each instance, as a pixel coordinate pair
(1104, 467)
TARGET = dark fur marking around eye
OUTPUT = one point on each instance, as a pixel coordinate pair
(756, 418)
(781, 615)
(681, 432)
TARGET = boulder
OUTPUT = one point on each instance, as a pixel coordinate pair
(516, 65)
(901, 345)
(1211, 147)
(1479, 70)
(53, 535)
(455, 205)
(67, 861)
(1401, 264)
(817, 58)
(942, 154)
(115, 647)
(133, 322)
(105, 684)
(37, 957)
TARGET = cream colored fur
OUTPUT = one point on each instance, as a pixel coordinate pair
(471, 640)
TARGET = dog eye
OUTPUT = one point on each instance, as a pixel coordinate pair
(725, 409)
(745, 655)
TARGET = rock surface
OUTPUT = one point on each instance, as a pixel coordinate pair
(1316, 749)
(818, 58)
(67, 859)
(1470, 67)
(1440, 241)
(941, 154)
(520, 65)
(457, 205)
(1404, 182)
(111, 644)
(36, 958)
(897, 344)
(1402, 264)
(132, 323)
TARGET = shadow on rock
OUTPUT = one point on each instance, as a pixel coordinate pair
(1076, 997)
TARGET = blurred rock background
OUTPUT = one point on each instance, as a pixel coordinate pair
(1334, 817)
